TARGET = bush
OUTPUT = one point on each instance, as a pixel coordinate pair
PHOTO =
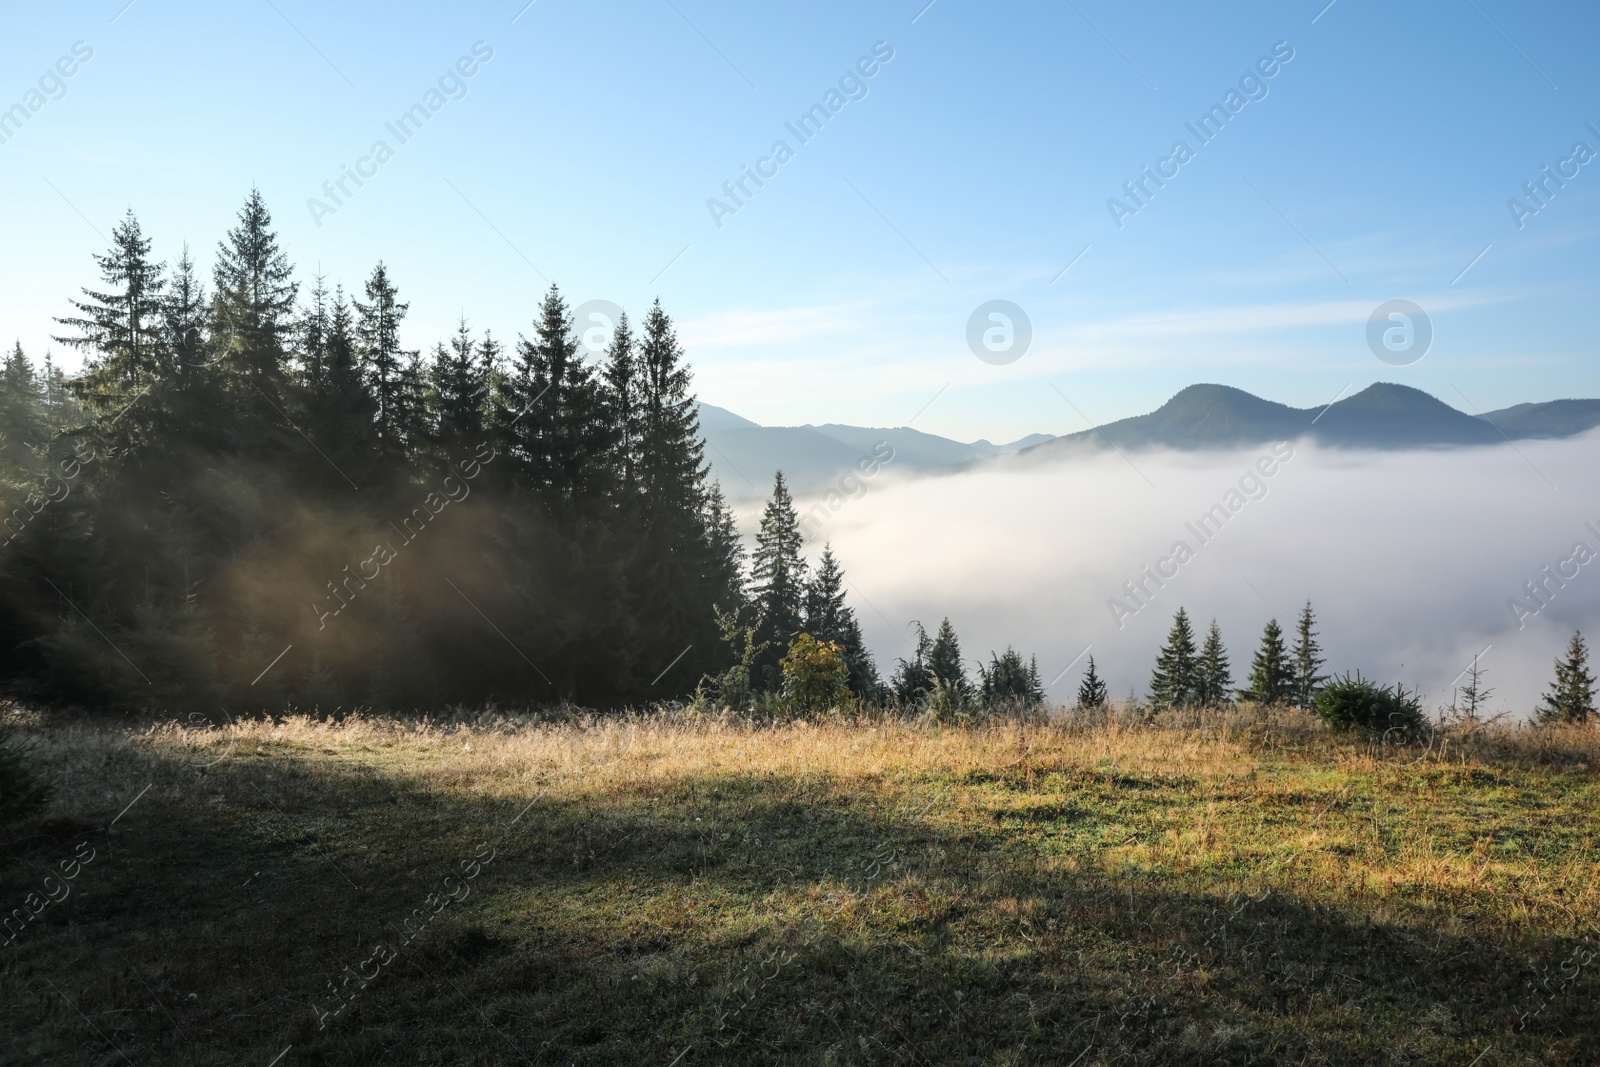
(815, 674)
(1354, 703)
(22, 790)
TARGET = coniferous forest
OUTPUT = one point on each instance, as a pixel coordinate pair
(253, 494)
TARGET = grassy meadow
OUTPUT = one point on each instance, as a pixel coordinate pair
(681, 888)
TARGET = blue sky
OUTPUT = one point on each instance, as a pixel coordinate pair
(977, 166)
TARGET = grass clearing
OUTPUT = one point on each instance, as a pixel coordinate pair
(681, 889)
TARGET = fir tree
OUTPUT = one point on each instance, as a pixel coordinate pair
(829, 618)
(1307, 659)
(253, 315)
(459, 386)
(186, 325)
(23, 422)
(913, 679)
(1474, 695)
(944, 660)
(1570, 698)
(1214, 673)
(725, 554)
(624, 409)
(1271, 673)
(1176, 680)
(118, 328)
(559, 432)
(383, 361)
(778, 571)
(1092, 689)
(1007, 679)
(671, 464)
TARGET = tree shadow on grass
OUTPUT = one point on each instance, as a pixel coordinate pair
(236, 913)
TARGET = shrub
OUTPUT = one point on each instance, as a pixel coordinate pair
(1355, 703)
(22, 790)
(815, 674)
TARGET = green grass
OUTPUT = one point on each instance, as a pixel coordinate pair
(688, 890)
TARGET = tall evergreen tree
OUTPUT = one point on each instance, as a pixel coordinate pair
(725, 553)
(253, 318)
(1176, 680)
(459, 380)
(829, 618)
(624, 389)
(1570, 697)
(384, 363)
(559, 434)
(1308, 659)
(118, 326)
(23, 421)
(944, 660)
(1213, 672)
(671, 467)
(186, 341)
(1271, 672)
(778, 575)
(913, 678)
(118, 329)
(1092, 689)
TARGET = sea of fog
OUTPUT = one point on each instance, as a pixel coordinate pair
(1409, 558)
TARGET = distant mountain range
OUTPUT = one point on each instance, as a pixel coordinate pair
(1381, 416)
(744, 455)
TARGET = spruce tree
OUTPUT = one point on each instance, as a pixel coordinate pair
(185, 322)
(1271, 673)
(1007, 679)
(253, 318)
(829, 618)
(383, 361)
(624, 409)
(458, 387)
(23, 423)
(778, 572)
(1175, 682)
(944, 661)
(1307, 659)
(1474, 695)
(559, 434)
(725, 554)
(118, 329)
(671, 465)
(1214, 672)
(1570, 698)
(1092, 689)
(913, 678)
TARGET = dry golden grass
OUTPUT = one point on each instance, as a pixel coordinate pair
(1231, 888)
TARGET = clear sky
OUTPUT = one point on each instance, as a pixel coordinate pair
(1375, 164)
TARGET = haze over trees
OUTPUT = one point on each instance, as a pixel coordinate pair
(254, 494)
